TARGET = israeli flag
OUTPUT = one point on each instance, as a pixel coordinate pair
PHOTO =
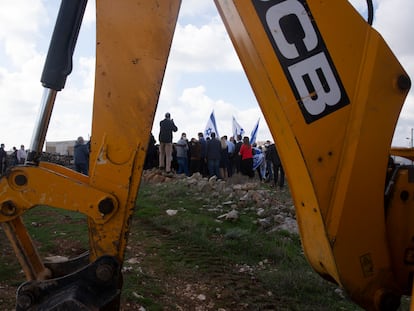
(211, 126)
(258, 158)
(237, 129)
(254, 133)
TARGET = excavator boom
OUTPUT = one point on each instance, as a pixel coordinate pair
(132, 48)
(331, 92)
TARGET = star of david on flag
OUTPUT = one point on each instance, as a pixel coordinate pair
(211, 126)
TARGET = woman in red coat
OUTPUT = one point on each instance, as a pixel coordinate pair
(246, 153)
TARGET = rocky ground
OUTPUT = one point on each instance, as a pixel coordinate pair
(274, 206)
(224, 286)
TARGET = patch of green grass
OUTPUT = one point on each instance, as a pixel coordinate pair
(144, 293)
(50, 228)
(196, 237)
(266, 271)
(8, 268)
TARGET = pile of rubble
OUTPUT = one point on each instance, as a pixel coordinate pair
(239, 194)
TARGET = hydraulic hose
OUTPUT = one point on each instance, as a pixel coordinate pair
(370, 8)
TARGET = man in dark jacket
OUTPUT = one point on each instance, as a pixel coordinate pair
(213, 155)
(151, 157)
(237, 157)
(3, 159)
(278, 172)
(167, 127)
(81, 156)
(203, 163)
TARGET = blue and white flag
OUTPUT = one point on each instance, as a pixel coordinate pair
(253, 135)
(211, 126)
(237, 129)
(258, 157)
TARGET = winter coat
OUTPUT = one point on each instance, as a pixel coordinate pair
(167, 127)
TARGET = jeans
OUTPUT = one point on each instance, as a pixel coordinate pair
(279, 174)
(269, 170)
(182, 166)
(82, 168)
(214, 167)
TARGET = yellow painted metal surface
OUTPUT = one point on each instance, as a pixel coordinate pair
(133, 44)
(25, 187)
(407, 153)
(24, 249)
(399, 221)
(331, 92)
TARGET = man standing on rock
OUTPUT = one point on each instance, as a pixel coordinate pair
(167, 127)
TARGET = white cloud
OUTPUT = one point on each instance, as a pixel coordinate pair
(20, 95)
(193, 108)
(195, 8)
(201, 49)
(204, 49)
(394, 22)
(89, 17)
(19, 36)
(32, 13)
(72, 113)
(393, 19)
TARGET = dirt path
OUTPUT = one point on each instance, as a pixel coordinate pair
(209, 282)
(206, 281)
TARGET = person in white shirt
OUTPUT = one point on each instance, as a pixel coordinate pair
(21, 155)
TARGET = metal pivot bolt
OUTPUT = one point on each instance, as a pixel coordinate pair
(25, 300)
(404, 82)
(20, 180)
(8, 208)
(106, 206)
(104, 272)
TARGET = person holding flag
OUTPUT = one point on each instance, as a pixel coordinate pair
(167, 127)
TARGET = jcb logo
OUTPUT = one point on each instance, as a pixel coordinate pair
(303, 55)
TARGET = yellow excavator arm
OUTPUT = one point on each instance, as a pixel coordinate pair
(331, 92)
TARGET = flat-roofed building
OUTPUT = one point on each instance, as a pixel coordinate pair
(61, 147)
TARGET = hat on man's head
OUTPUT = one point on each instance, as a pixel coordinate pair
(167, 115)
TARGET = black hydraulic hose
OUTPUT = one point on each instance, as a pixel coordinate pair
(58, 63)
(57, 67)
(370, 12)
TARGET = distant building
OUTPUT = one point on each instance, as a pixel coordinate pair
(61, 147)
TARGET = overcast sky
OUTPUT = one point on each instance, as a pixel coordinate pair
(203, 73)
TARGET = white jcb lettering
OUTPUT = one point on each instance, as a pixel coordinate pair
(326, 92)
(304, 57)
(288, 8)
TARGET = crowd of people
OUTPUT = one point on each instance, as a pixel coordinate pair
(209, 156)
(213, 156)
(18, 156)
